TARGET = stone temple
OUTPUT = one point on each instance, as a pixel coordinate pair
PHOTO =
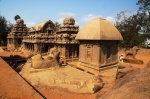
(15, 37)
(98, 45)
(44, 36)
(94, 47)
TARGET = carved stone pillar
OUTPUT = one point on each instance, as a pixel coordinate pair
(25, 46)
(75, 55)
(8, 41)
(63, 51)
(35, 48)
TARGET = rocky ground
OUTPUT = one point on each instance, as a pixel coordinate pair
(65, 77)
(132, 82)
(134, 85)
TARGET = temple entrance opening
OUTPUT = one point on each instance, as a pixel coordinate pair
(46, 48)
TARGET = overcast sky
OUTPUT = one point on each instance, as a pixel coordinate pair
(35, 11)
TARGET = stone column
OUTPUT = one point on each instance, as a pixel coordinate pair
(27, 46)
(75, 54)
(24, 45)
(7, 41)
(63, 51)
(72, 51)
(31, 47)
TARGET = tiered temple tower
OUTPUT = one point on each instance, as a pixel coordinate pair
(65, 40)
(14, 38)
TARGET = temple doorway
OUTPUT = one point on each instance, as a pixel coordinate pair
(46, 48)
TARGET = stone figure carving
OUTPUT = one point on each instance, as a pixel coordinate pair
(88, 51)
(131, 52)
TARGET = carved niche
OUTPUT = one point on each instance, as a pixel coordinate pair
(88, 51)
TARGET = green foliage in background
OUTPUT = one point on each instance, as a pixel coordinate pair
(135, 28)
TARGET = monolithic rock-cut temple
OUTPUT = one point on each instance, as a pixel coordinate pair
(66, 42)
(98, 45)
(15, 37)
(44, 36)
(98, 41)
(40, 37)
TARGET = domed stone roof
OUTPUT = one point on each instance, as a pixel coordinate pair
(68, 21)
(99, 29)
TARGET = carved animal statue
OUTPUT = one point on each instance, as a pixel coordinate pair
(52, 52)
(38, 62)
(131, 52)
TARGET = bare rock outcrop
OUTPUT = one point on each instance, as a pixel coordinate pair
(134, 85)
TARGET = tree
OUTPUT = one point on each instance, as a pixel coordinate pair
(144, 12)
(17, 17)
(5, 28)
(136, 27)
(144, 5)
(57, 26)
(3, 25)
(130, 27)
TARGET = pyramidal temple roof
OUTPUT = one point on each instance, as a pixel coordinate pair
(99, 29)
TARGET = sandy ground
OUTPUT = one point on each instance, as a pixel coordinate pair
(13, 86)
(52, 93)
(76, 81)
(55, 93)
(144, 57)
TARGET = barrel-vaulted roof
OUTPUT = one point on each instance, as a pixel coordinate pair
(39, 26)
(99, 29)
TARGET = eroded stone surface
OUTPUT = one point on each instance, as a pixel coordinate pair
(66, 77)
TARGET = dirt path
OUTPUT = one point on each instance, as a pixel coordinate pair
(13, 86)
(61, 94)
